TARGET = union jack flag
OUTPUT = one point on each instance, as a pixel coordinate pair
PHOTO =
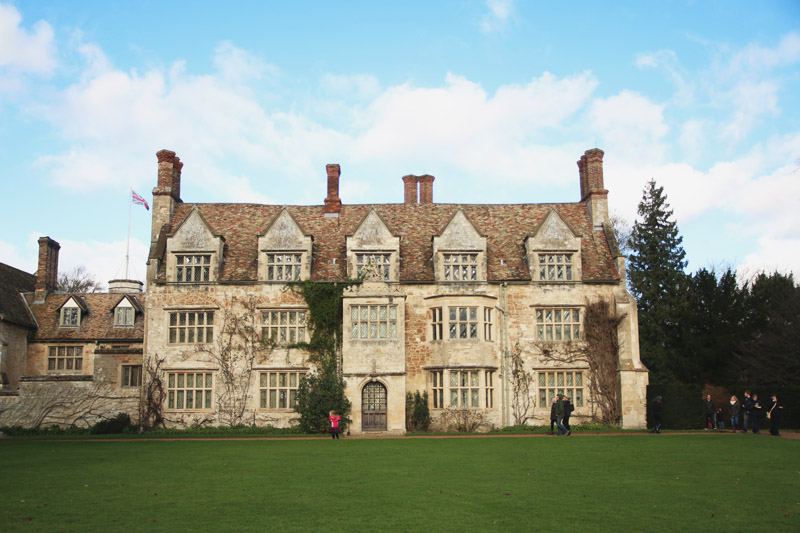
(138, 200)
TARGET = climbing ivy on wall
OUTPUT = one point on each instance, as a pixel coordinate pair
(322, 391)
(325, 316)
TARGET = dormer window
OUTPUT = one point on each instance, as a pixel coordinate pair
(554, 251)
(284, 266)
(123, 316)
(70, 313)
(193, 268)
(459, 252)
(284, 251)
(194, 251)
(381, 260)
(555, 267)
(460, 267)
(70, 316)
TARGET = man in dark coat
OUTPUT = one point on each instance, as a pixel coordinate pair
(568, 408)
(747, 410)
(708, 410)
(755, 413)
(774, 415)
(560, 417)
(657, 409)
(553, 414)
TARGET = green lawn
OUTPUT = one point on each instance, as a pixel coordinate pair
(665, 482)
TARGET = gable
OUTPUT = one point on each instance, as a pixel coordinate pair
(555, 234)
(372, 233)
(284, 233)
(193, 233)
(460, 234)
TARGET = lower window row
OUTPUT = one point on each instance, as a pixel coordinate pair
(194, 390)
(467, 388)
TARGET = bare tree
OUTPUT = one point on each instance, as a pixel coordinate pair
(64, 404)
(78, 280)
(599, 351)
(462, 420)
(151, 403)
(623, 232)
(236, 349)
(521, 380)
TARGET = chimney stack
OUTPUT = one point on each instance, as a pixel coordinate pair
(333, 204)
(593, 191)
(47, 272)
(410, 189)
(426, 189)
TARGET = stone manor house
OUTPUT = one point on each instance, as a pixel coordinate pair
(451, 295)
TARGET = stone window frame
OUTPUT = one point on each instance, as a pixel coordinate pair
(198, 266)
(131, 376)
(124, 316)
(179, 390)
(384, 264)
(277, 267)
(441, 324)
(443, 389)
(70, 357)
(271, 332)
(69, 317)
(479, 265)
(558, 328)
(288, 387)
(555, 269)
(175, 327)
(573, 384)
(362, 321)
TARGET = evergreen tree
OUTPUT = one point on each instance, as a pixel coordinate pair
(770, 354)
(319, 393)
(658, 282)
(713, 325)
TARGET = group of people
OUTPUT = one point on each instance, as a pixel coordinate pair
(748, 412)
(560, 410)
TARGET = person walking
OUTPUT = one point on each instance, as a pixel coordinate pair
(568, 408)
(334, 420)
(560, 417)
(755, 413)
(733, 412)
(747, 408)
(657, 409)
(708, 410)
(553, 414)
(774, 415)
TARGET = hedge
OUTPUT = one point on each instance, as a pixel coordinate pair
(683, 404)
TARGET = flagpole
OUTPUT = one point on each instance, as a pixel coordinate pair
(128, 243)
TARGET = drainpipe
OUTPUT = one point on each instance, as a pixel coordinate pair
(504, 341)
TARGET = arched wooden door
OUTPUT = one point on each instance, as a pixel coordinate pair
(373, 407)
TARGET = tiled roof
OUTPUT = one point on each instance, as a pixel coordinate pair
(12, 307)
(505, 225)
(97, 324)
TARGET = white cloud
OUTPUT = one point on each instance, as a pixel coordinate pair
(498, 15)
(104, 260)
(631, 126)
(12, 257)
(22, 50)
(237, 65)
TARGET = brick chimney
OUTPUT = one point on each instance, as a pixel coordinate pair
(410, 189)
(167, 193)
(426, 189)
(47, 272)
(333, 204)
(593, 191)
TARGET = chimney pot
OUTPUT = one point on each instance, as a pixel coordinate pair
(47, 272)
(410, 189)
(426, 189)
(333, 204)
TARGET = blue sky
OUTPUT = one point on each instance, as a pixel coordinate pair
(497, 99)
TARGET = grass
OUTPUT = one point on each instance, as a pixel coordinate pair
(665, 482)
